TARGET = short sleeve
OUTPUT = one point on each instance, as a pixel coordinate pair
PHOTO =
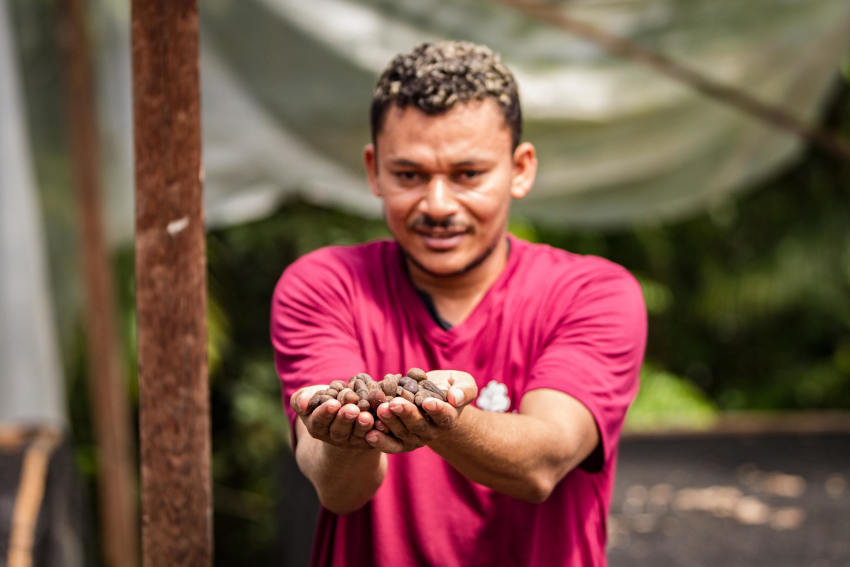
(312, 325)
(594, 347)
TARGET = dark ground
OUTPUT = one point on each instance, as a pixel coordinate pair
(714, 500)
(778, 499)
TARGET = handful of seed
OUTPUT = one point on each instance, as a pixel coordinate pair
(367, 394)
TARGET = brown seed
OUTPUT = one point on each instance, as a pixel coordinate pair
(417, 374)
(376, 398)
(330, 392)
(409, 384)
(365, 377)
(358, 384)
(337, 385)
(406, 394)
(428, 385)
(362, 393)
(372, 385)
(424, 394)
(317, 400)
(350, 398)
(389, 384)
(347, 396)
(363, 404)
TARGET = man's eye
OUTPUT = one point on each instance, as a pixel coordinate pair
(468, 174)
(407, 175)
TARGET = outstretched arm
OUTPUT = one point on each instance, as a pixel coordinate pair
(523, 455)
(331, 452)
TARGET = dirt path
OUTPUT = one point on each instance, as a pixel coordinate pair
(732, 500)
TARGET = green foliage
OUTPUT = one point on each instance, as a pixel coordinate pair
(750, 301)
(250, 430)
(668, 401)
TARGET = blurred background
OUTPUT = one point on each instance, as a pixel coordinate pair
(700, 143)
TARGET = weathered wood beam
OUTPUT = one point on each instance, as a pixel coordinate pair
(171, 286)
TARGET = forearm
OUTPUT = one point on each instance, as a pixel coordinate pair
(506, 452)
(344, 478)
(521, 454)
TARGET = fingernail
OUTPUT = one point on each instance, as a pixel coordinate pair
(396, 407)
(457, 394)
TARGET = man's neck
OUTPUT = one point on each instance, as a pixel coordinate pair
(455, 297)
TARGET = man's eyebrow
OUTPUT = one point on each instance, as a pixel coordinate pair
(403, 162)
(469, 163)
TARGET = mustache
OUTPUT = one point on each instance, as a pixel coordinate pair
(448, 224)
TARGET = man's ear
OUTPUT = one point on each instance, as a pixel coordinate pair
(525, 170)
(370, 160)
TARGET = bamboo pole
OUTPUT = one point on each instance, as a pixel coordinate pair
(171, 286)
(107, 380)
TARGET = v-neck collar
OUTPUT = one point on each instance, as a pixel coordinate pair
(474, 321)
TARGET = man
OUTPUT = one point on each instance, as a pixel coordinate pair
(538, 348)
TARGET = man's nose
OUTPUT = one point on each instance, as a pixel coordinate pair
(439, 201)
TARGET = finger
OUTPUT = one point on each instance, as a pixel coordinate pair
(460, 385)
(462, 390)
(384, 442)
(299, 400)
(340, 428)
(319, 421)
(388, 414)
(417, 425)
(363, 425)
(442, 414)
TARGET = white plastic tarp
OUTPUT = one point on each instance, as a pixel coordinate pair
(286, 87)
(31, 390)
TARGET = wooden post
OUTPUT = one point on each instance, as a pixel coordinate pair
(107, 380)
(171, 286)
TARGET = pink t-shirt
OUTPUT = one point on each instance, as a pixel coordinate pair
(551, 320)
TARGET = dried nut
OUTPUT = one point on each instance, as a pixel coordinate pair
(346, 394)
(358, 384)
(376, 398)
(372, 385)
(417, 374)
(428, 394)
(337, 385)
(428, 385)
(362, 393)
(330, 392)
(409, 384)
(350, 397)
(317, 400)
(365, 377)
(389, 384)
(363, 404)
(406, 394)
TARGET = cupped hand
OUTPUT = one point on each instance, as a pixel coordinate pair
(340, 425)
(402, 427)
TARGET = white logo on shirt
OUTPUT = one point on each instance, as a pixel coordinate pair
(494, 397)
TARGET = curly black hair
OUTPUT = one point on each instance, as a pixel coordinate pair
(434, 77)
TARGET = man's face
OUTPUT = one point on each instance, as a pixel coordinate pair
(447, 181)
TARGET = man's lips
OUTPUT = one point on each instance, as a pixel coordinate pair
(440, 239)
